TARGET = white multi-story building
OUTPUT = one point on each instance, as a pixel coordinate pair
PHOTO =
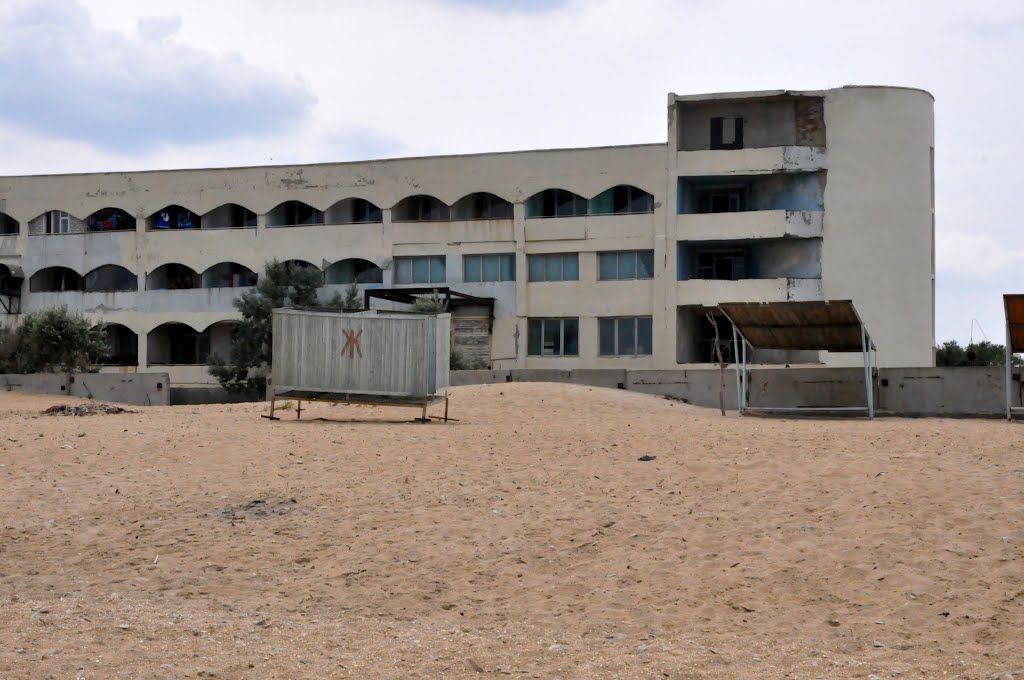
(605, 257)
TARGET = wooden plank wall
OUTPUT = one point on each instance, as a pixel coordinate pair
(393, 354)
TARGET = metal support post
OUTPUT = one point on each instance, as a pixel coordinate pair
(865, 345)
(736, 363)
(1009, 373)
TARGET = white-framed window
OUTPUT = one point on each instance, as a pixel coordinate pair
(420, 269)
(553, 337)
(624, 265)
(490, 267)
(554, 267)
(58, 222)
(629, 336)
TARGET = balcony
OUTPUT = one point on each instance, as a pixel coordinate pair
(753, 224)
(710, 292)
(190, 300)
(752, 161)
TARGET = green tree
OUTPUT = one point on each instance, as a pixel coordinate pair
(282, 284)
(53, 340)
(983, 353)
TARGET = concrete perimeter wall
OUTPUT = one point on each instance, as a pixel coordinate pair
(139, 389)
(959, 391)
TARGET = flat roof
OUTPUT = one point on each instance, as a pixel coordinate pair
(770, 94)
(280, 166)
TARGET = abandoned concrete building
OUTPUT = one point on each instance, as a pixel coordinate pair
(606, 257)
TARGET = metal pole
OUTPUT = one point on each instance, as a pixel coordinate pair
(736, 363)
(1009, 371)
(866, 349)
(743, 344)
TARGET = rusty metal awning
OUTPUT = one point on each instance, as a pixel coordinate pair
(831, 325)
(452, 298)
(1014, 306)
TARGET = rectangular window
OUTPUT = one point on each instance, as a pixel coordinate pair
(496, 267)
(553, 337)
(625, 265)
(630, 336)
(554, 267)
(58, 222)
(722, 199)
(420, 269)
(726, 133)
(723, 265)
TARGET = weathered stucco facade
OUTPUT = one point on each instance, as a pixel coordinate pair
(756, 196)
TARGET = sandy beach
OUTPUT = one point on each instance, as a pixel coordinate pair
(525, 540)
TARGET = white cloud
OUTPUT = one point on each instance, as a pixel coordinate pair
(63, 78)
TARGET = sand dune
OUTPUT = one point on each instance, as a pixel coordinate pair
(525, 540)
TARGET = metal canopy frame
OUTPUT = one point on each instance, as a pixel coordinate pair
(831, 325)
(452, 299)
(1013, 305)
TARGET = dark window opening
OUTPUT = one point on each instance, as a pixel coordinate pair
(482, 206)
(556, 203)
(353, 211)
(228, 275)
(721, 265)
(628, 336)
(294, 214)
(110, 219)
(110, 278)
(721, 199)
(705, 339)
(726, 133)
(622, 200)
(229, 216)
(553, 337)
(175, 217)
(354, 271)
(420, 208)
(173, 276)
(122, 346)
(8, 225)
(55, 280)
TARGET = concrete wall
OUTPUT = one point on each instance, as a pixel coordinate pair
(879, 217)
(960, 391)
(140, 389)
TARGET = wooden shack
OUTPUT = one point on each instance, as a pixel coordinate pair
(369, 357)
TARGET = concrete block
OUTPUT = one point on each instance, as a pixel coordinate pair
(599, 377)
(477, 377)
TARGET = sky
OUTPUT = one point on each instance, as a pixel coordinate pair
(99, 85)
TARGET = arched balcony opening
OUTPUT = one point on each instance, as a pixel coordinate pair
(229, 216)
(110, 278)
(294, 214)
(353, 270)
(55, 280)
(482, 206)
(353, 211)
(555, 203)
(301, 264)
(122, 345)
(420, 208)
(220, 335)
(110, 219)
(173, 276)
(178, 344)
(8, 225)
(624, 199)
(228, 275)
(174, 217)
(56, 222)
